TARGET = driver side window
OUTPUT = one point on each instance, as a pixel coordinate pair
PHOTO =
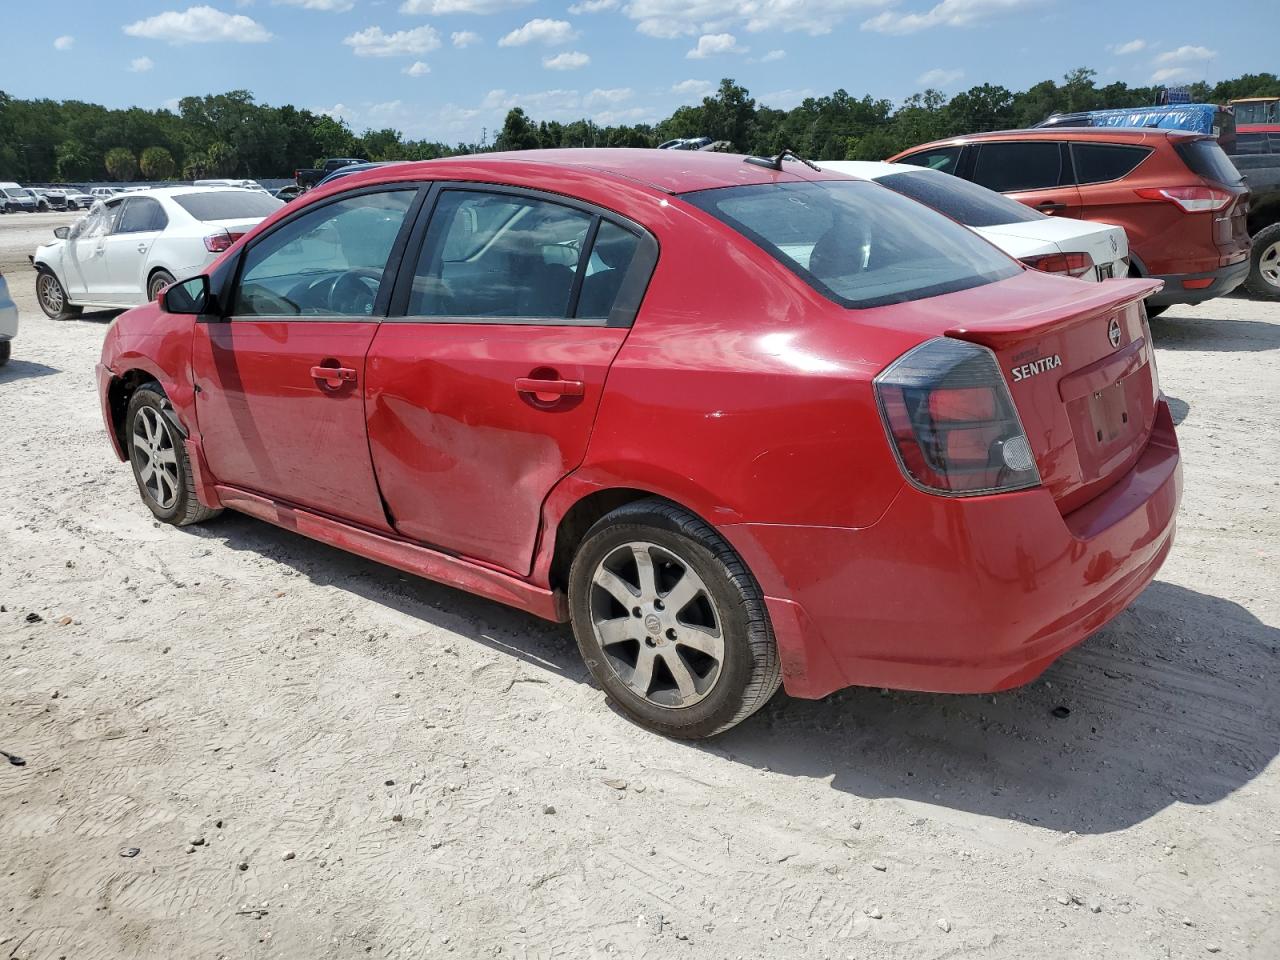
(327, 262)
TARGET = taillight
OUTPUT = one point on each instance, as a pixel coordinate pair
(952, 422)
(1072, 264)
(217, 242)
(1189, 199)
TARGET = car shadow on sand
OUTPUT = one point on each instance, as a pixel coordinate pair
(1165, 705)
(17, 369)
(1218, 336)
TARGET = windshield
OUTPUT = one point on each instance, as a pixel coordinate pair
(228, 204)
(966, 202)
(857, 243)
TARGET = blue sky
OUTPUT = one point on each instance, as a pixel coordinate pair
(446, 69)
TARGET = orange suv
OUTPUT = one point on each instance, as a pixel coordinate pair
(1177, 195)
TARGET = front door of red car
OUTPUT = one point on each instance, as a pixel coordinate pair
(282, 379)
(483, 383)
(1034, 172)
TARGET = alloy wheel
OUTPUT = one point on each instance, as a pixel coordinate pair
(156, 458)
(51, 293)
(657, 624)
(1269, 264)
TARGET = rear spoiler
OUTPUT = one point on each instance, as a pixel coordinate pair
(1098, 298)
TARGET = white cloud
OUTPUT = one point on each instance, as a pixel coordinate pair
(710, 44)
(1186, 54)
(1167, 74)
(592, 6)
(948, 13)
(373, 42)
(141, 64)
(608, 118)
(1133, 46)
(939, 78)
(785, 99)
(540, 30)
(172, 104)
(572, 60)
(417, 69)
(693, 88)
(612, 96)
(64, 43)
(434, 8)
(690, 18)
(773, 55)
(201, 24)
(327, 6)
(552, 104)
(464, 38)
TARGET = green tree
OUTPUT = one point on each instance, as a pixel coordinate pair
(220, 159)
(121, 164)
(518, 133)
(157, 163)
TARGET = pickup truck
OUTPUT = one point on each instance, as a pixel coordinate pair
(1262, 175)
(306, 179)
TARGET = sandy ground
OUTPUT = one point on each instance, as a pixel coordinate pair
(320, 757)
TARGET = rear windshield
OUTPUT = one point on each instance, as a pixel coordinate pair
(857, 243)
(228, 204)
(970, 204)
(1206, 159)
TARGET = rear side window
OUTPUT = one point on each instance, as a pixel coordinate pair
(1101, 162)
(1020, 165)
(228, 204)
(1206, 159)
(857, 243)
(970, 204)
(946, 159)
(142, 215)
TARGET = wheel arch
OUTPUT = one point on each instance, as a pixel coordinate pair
(119, 392)
(151, 275)
(1265, 214)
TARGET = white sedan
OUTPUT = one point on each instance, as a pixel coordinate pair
(134, 244)
(1078, 248)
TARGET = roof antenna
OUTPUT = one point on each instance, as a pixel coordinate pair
(776, 162)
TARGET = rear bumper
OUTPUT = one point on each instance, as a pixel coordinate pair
(1222, 281)
(962, 595)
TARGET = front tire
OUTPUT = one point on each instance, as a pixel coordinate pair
(159, 280)
(1264, 264)
(670, 622)
(159, 460)
(52, 297)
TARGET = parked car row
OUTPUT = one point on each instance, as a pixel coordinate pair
(731, 418)
(1181, 202)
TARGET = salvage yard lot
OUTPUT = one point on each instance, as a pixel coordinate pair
(316, 756)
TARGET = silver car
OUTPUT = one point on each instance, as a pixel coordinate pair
(8, 321)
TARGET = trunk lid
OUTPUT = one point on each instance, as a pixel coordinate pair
(1106, 245)
(1080, 368)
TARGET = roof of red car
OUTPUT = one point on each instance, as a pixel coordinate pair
(670, 171)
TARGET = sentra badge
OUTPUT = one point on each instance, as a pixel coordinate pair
(1035, 367)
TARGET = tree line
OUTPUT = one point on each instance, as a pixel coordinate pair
(231, 135)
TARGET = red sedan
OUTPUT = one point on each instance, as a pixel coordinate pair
(741, 423)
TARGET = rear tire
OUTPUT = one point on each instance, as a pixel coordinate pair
(690, 653)
(159, 460)
(1264, 264)
(1153, 312)
(159, 280)
(52, 297)
(6, 348)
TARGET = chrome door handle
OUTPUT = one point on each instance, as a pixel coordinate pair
(142, 248)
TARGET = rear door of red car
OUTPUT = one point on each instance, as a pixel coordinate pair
(281, 380)
(483, 383)
(1034, 172)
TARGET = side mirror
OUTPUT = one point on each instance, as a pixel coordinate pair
(191, 297)
(62, 232)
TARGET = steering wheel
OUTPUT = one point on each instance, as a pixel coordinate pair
(352, 293)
